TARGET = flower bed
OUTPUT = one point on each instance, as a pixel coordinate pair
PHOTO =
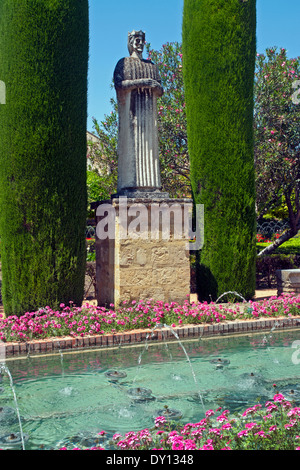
(92, 320)
(274, 426)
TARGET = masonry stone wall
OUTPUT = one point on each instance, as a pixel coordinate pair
(142, 268)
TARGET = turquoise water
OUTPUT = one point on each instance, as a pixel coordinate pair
(67, 399)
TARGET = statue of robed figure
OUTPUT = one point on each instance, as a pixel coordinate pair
(138, 85)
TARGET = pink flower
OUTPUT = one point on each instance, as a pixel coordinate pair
(271, 407)
(222, 419)
(261, 434)
(177, 444)
(291, 424)
(226, 426)
(207, 447)
(250, 425)
(294, 412)
(189, 444)
(278, 397)
(159, 421)
(251, 410)
(214, 431)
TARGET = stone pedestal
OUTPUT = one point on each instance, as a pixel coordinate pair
(288, 280)
(145, 257)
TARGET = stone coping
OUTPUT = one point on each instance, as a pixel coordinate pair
(133, 337)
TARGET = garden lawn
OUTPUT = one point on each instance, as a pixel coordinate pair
(291, 246)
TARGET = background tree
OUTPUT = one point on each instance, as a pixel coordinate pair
(102, 175)
(174, 161)
(219, 47)
(43, 61)
(277, 139)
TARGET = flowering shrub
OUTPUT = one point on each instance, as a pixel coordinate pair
(276, 155)
(262, 239)
(276, 426)
(89, 319)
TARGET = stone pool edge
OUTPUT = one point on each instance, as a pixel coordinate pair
(133, 337)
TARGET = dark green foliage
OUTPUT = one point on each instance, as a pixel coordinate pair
(266, 267)
(43, 201)
(219, 46)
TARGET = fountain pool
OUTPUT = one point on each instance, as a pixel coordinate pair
(66, 400)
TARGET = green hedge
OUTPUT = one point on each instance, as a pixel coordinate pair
(43, 61)
(219, 47)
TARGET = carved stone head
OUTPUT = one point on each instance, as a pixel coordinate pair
(136, 42)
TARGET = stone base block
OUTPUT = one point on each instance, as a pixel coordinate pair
(288, 281)
(139, 262)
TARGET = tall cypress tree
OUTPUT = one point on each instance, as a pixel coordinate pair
(43, 62)
(219, 47)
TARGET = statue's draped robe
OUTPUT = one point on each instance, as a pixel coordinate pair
(138, 152)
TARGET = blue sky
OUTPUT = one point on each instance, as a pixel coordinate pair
(110, 21)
